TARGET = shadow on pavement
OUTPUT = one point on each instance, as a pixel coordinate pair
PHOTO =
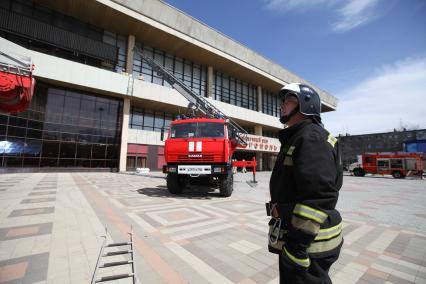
(143, 175)
(199, 192)
(390, 177)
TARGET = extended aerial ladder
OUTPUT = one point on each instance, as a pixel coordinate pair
(197, 102)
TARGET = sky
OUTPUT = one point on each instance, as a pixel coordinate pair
(370, 54)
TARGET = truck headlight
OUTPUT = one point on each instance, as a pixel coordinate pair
(218, 170)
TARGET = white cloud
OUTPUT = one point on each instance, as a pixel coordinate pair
(286, 5)
(350, 14)
(355, 13)
(395, 94)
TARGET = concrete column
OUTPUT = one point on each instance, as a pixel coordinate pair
(258, 130)
(259, 99)
(259, 155)
(130, 53)
(124, 135)
(210, 81)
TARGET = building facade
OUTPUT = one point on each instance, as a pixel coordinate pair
(97, 105)
(396, 141)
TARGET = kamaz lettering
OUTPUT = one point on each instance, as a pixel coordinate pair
(195, 156)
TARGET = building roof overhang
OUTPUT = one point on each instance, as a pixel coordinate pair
(164, 27)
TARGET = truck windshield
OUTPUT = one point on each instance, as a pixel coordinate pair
(198, 130)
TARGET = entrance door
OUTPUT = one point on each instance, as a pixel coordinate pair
(131, 163)
(141, 162)
(134, 162)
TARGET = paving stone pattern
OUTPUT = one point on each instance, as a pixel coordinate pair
(51, 226)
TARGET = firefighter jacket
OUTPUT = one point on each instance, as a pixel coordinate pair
(304, 187)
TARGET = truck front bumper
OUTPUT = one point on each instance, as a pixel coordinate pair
(196, 169)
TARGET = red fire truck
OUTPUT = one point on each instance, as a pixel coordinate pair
(398, 164)
(200, 144)
(16, 82)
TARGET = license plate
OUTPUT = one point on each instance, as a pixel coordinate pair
(195, 170)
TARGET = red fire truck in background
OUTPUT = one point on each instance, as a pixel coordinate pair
(398, 164)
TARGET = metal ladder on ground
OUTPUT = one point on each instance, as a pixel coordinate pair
(105, 254)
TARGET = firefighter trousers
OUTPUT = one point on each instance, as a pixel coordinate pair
(316, 274)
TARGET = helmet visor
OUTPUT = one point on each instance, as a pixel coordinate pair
(290, 96)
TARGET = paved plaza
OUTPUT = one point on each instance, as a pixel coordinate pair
(51, 226)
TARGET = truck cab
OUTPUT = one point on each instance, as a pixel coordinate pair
(198, 148)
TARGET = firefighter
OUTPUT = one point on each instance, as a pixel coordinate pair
(305, 228)
(244, 169)
(234, 169)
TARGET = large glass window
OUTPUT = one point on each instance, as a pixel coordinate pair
(62, 128)
(149, 120)
(148, 123)
(272, 134)
(233, 91)
(193, 75)
(109, 53)
(270, 103)
(250, 130)
(159, 120)
(120, 42)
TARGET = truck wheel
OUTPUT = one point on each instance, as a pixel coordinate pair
(175, 184)
(358, 172)
(226, 185)
(397, 174)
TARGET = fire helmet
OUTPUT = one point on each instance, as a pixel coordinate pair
(309, 101)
